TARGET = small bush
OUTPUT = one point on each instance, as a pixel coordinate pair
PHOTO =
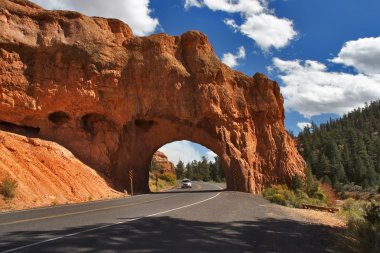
(353, 210)
(366, 236)
(8, 187)
(278, 199)
(296, 183)
(169, 177)
(372, 213)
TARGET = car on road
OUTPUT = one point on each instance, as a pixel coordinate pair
(186, 183)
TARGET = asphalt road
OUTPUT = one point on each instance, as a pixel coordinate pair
(202, 219)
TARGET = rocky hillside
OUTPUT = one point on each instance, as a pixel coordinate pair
(47, 174)
(163, 163)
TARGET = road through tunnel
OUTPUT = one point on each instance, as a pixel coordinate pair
(145, 137)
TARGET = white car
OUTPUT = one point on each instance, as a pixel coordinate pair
(186, 183)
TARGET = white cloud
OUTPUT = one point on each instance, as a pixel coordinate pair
(259, 22)
(362, 54)
(312, 90)
(232, 23)
(135, 13)
(210, 155)
(268, 30)
(192, 3)
(303, 125)
(185, 151)
(231, 59)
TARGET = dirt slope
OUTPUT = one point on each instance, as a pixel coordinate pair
(47, 174)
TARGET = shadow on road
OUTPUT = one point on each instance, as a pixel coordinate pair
(166, 234)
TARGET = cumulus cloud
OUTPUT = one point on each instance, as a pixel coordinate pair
(135, 13)
(312, 90)
(231, 59)
(186, 151)
(259, 22)
(362, 54)
(303, 125)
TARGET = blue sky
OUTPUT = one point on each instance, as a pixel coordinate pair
(324, 54)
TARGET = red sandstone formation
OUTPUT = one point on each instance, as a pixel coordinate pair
(47, 174)
(162, 160)
(113, 98)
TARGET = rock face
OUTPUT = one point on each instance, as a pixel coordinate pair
(47, 173)
(162, 160)
(113, 98)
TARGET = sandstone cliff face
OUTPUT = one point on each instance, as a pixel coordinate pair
(113, 98)
(162, 160)
(47, 174)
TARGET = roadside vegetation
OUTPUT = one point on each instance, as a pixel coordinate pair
(8, 187)
(363, 226)
(308, 192)
(345, 153)
(160, 182)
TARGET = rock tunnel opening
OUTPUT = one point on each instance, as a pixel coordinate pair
(19, 129)
(180, 160)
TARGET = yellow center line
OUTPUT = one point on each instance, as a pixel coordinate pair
(81, 212)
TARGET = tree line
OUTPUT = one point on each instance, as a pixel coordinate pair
(345, 152)
(203, 170)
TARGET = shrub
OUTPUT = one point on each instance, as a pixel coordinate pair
(329, 193)
(353, 210)
(366, 236)
(372, 213)
(296, 183)
(169, 177)
(278, 199)
(282, 195)
(8, 187)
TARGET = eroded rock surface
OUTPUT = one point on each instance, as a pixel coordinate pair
(113, 98)
(162, 161)
(47, 174)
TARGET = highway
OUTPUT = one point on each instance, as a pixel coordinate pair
(205, 218)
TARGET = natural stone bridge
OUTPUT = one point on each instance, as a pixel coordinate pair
(113, 98)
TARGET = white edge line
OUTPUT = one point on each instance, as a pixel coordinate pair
(109, 225)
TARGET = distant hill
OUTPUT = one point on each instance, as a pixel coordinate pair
(345, 151)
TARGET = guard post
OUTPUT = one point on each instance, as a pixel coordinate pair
(131, 180)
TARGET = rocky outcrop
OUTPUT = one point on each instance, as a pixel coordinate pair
(113, 98)
(47, 174)
(162, 161)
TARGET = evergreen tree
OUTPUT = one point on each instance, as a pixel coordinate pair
(180, 170)
(345, 150)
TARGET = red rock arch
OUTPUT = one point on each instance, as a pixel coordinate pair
(113, 98)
